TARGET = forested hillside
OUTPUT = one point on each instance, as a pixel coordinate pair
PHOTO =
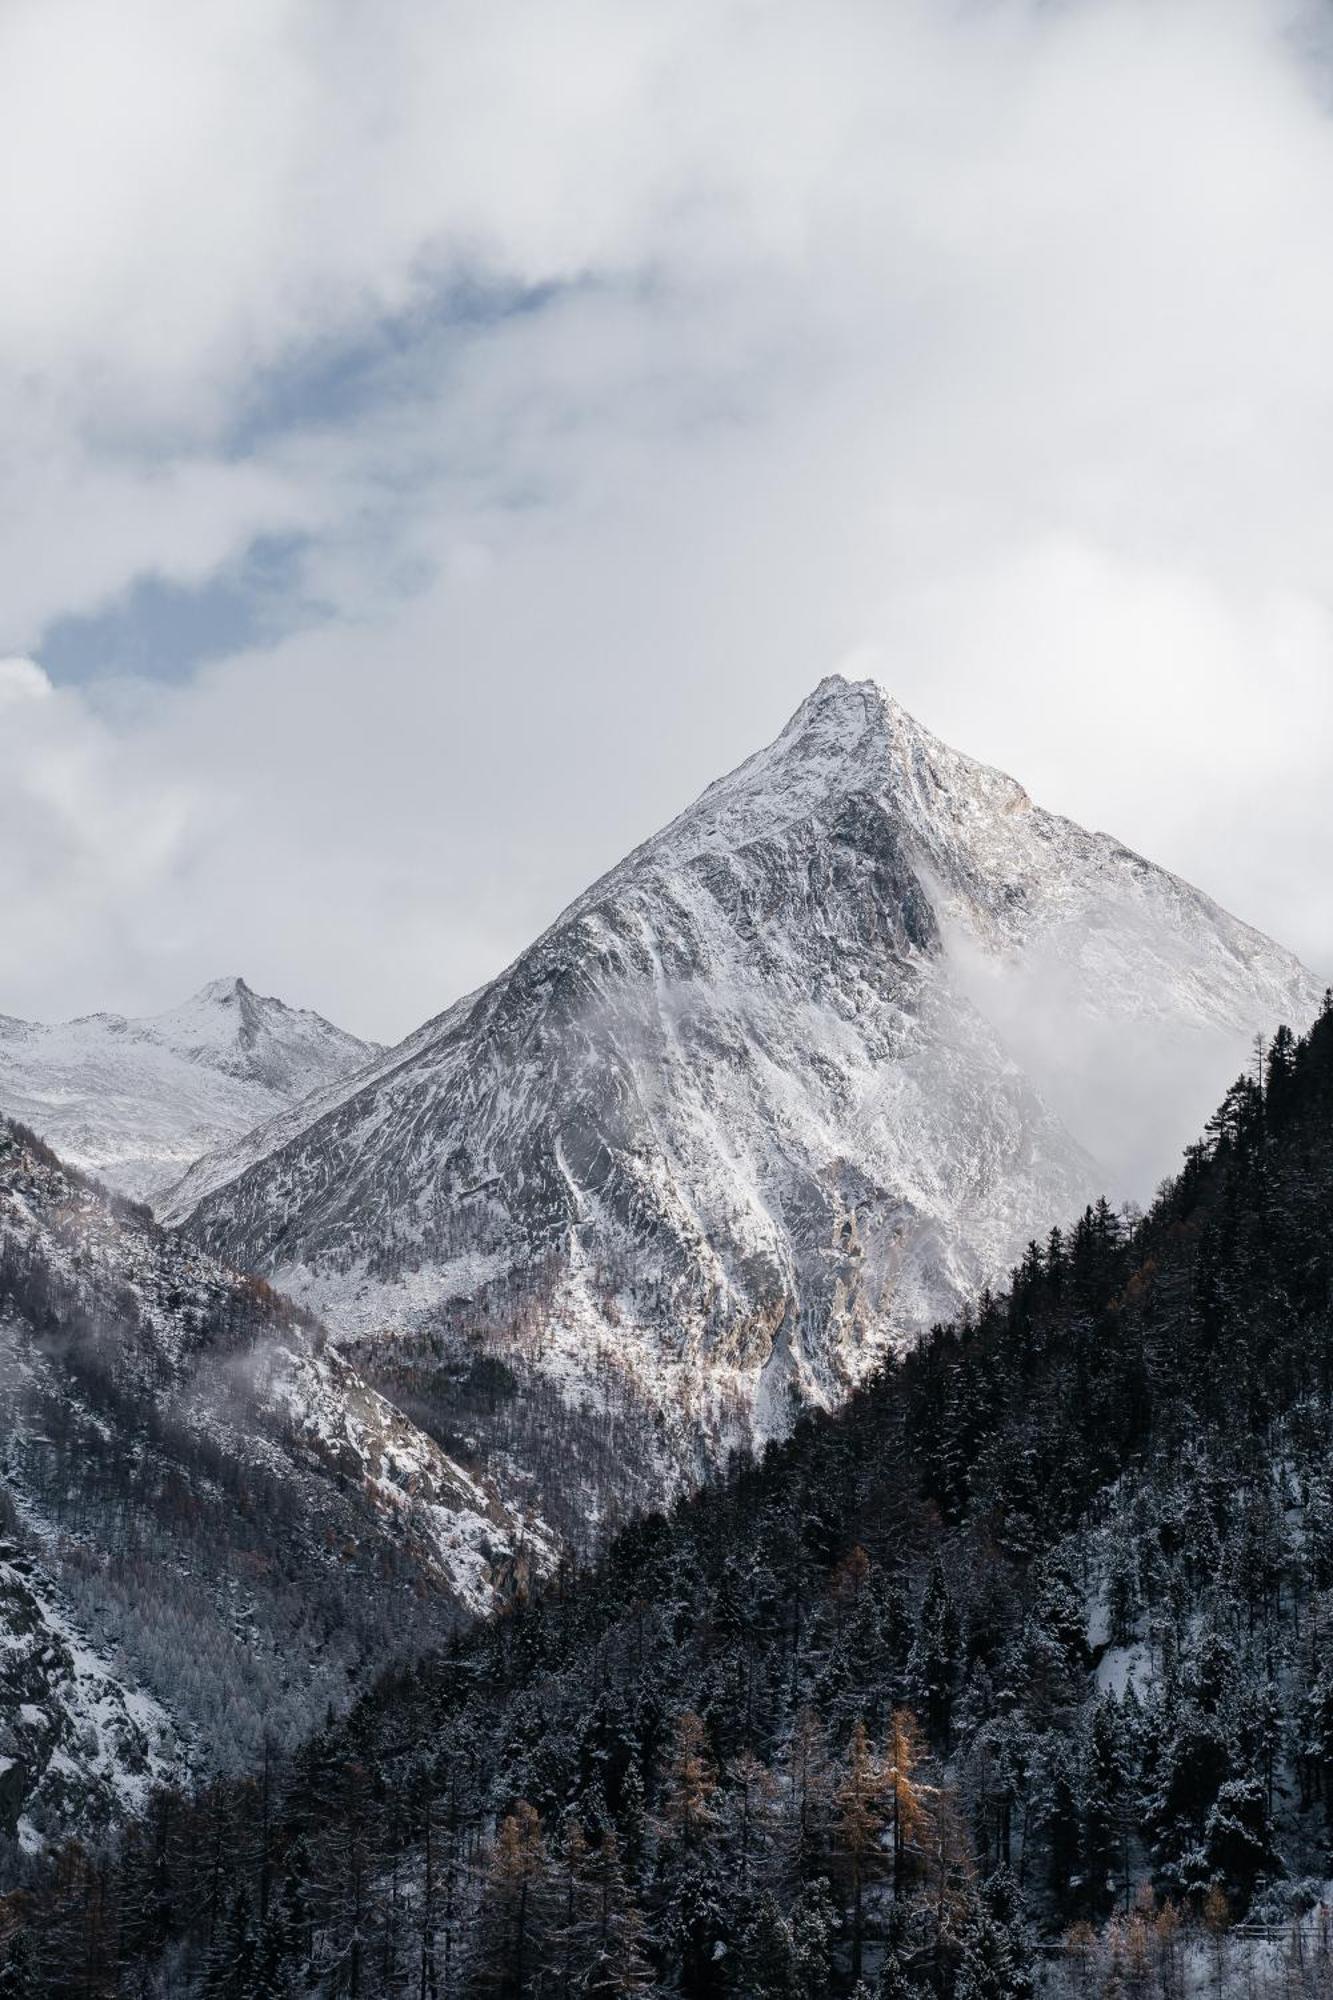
(211, 1529)
(1016, 1671)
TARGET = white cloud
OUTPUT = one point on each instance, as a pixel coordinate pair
(992, 339)
(95, 847)
(22, 681)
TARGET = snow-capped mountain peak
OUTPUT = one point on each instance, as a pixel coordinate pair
(222, 1000)
(845, 736)
(790, 1082)
(136, 1100)
(253, 1034)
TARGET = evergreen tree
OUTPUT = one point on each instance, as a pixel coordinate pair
(515, 1918)
(861, 1816)
(18, 1975)
(234, 1960)
(934, 1663)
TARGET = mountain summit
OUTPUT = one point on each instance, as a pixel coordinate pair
(135, 1101)
(791, 1082)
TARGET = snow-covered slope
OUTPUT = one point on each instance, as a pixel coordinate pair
(134, 1102)
(211, 1527)
(792, 1081)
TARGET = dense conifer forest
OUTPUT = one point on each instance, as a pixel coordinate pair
(1012, 1676)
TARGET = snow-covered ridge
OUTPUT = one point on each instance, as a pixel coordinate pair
(135, 1101)
(793, 1080)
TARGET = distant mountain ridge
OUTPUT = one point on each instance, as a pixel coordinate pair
(794, 1080)
(134, 1101)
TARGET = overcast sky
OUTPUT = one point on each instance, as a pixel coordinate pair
(439, 438)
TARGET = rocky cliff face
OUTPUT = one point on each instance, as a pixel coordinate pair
(792, 1081)
(135, 1101)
